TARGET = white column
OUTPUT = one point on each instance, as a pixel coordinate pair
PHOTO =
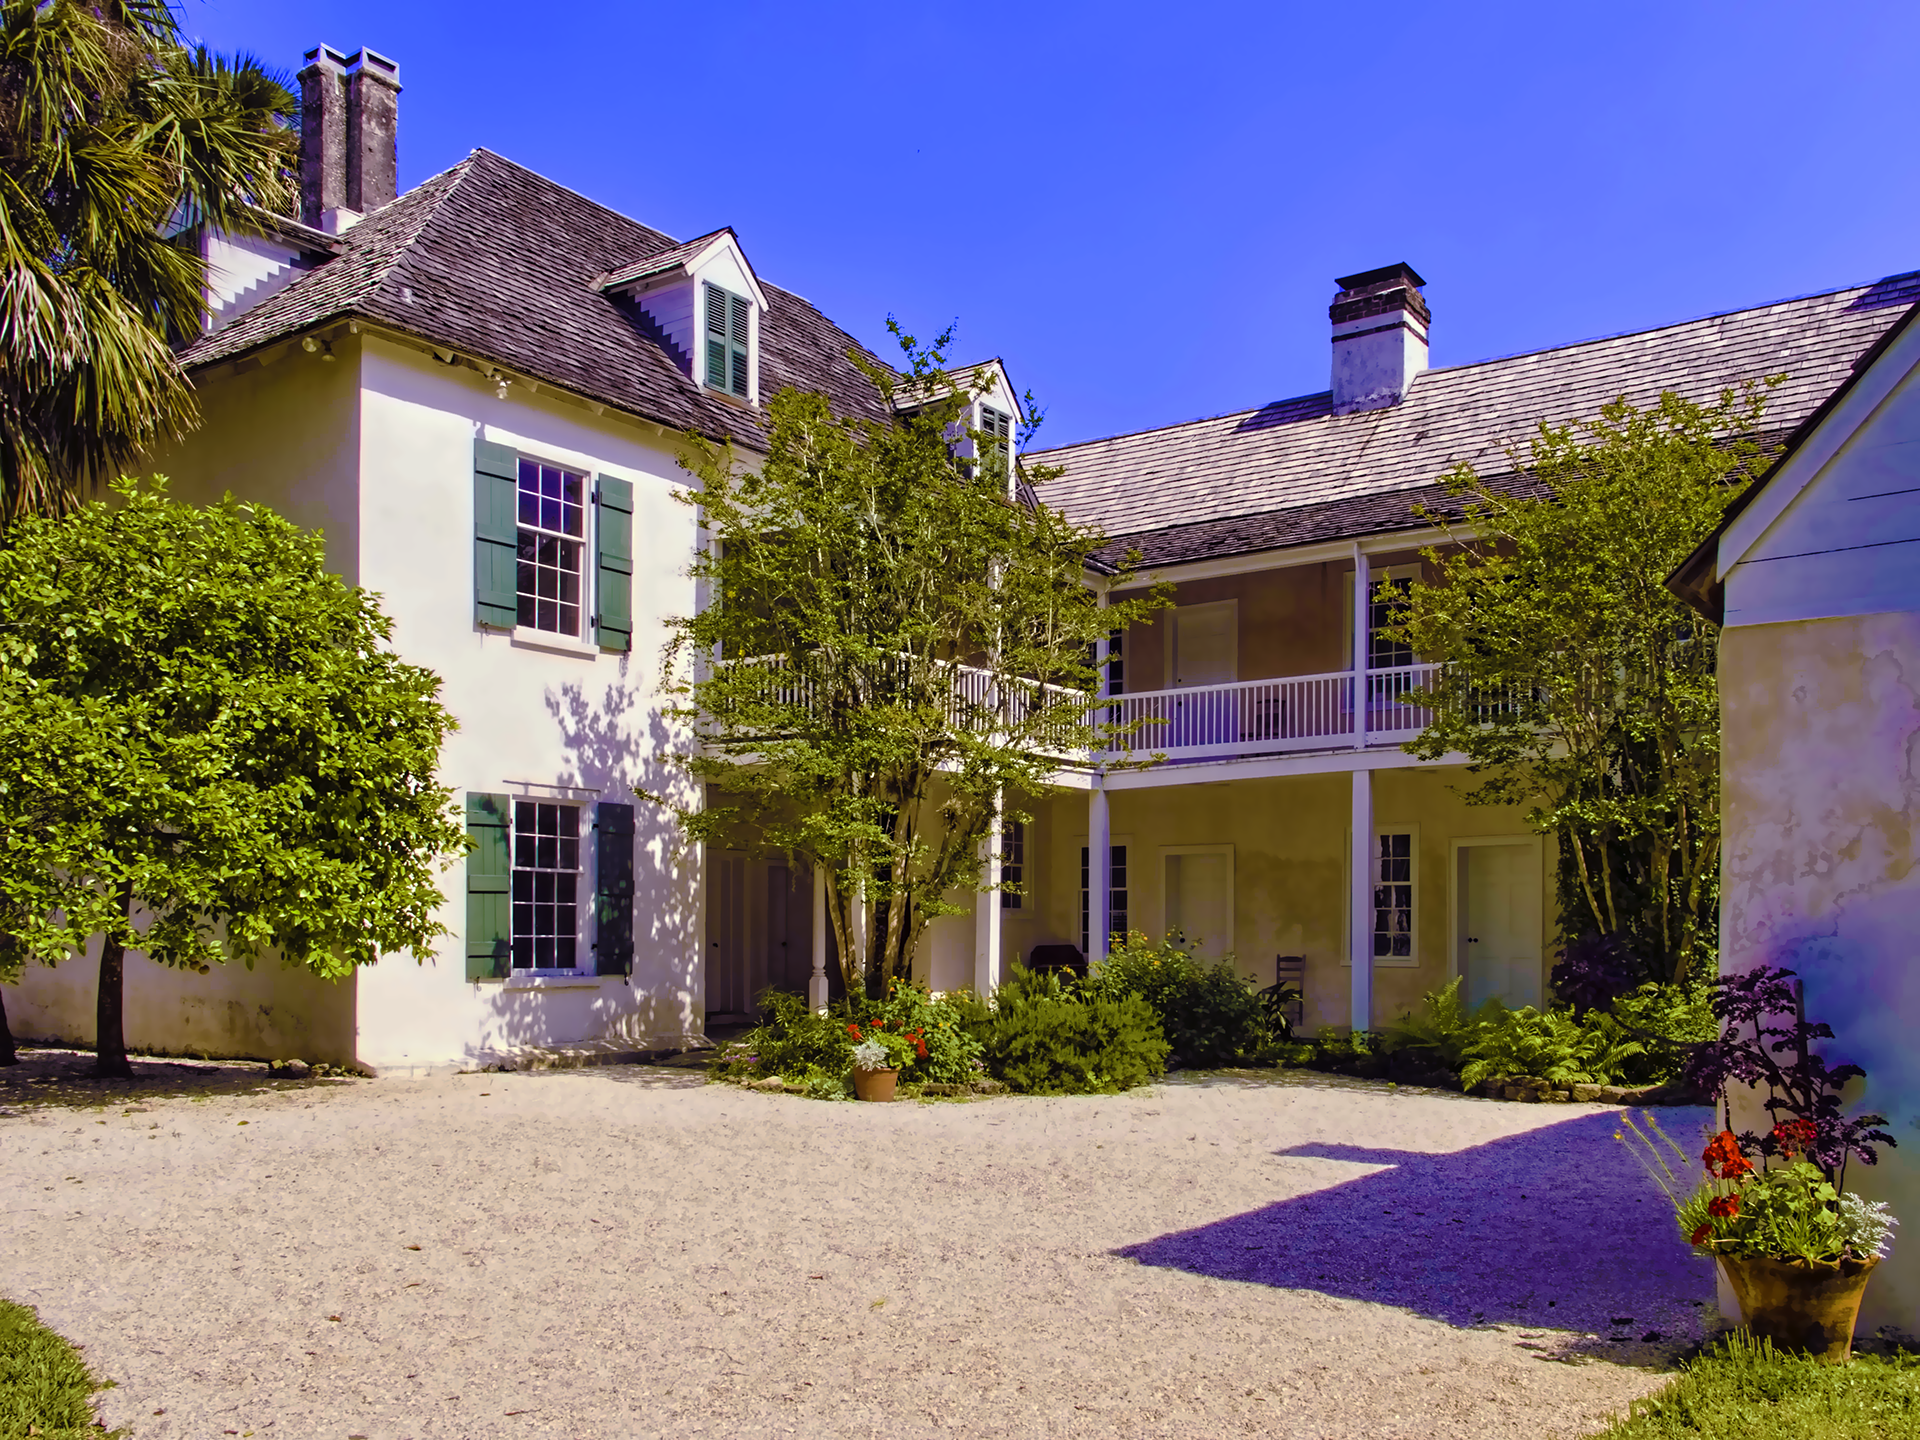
(1099, 871)
(986, 908)
(857, 929)
(1360, 909)
(817, 982)
(1362, 573)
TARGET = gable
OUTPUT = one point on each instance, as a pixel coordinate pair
(1836, 532)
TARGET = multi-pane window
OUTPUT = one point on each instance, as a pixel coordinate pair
(1386, 599)
(1393, 897)
(1116, 662)
(728, 317)
(546, 885)
(553, 526)
(1013, 864)
(1116, 894)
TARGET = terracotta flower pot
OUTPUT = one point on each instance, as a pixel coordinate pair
(1801, 1306)
(878, 1085)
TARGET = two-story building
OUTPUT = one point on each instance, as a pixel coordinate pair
(480, 391)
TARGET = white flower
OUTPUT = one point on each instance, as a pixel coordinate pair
(1867, 1226)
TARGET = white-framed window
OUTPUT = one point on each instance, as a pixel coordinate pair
(546, 888)
(1116, 893)
(1387, 590)
(726, 329)
(1013, 864)
(550, 569)
(996, 434)
(1117, 662)
(1395, 889)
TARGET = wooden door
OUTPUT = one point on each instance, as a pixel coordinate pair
(1500, 937)
(727, 957)
(1200, 901)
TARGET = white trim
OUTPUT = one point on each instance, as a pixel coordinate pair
(1267, 767)
(1456, 905)
(526, 637)
(1292, 557)
(1166, 852)
(1848, 417)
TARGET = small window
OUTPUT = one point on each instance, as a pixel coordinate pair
(1393, 897)
(996, 435)
(552, 524)
(1116, 895)
(1013, 864)
(1116, 662)
(1386, 599)
(728, 317)
(546, 886)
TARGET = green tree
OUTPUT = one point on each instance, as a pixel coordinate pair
(210, 750)
(1577, 684)
(895, 646)
(112, 134)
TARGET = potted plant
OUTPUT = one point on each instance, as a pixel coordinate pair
(1797, 1247)
(878, 1058)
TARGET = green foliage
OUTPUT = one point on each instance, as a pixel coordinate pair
(113, 132)
(1210, 1015)
(848, 570)
(45, 1387)
(790, 1040)
(952, 1053)
(1550, 1045)
(1743, 1389)
(196, 715)
(1043, 1038)
(1577, 684)
(800, 1046)
(1440, 1028)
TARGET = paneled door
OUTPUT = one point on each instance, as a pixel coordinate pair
(727, 954)
(1200, 898)
(1500, 923)
(1205, 651)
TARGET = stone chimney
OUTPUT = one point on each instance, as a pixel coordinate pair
(349, 123)
(1380, 325)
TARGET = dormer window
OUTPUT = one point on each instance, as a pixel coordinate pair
(996, 433)
(728, 319)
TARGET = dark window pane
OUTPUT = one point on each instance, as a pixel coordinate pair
(523, 952)
(547, 615)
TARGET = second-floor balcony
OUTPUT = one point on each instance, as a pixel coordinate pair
(1271, 717)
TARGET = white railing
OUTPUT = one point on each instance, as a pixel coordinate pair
(1268, 717)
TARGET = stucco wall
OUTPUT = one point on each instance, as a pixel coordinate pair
(1821, 733)
(1289, 838)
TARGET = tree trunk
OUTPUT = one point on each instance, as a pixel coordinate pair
(109, 1028)
(7, 1054)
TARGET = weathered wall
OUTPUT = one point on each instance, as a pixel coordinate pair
(285, 433)
(1822, 803)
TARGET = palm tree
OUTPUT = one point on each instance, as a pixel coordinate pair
(114, 137)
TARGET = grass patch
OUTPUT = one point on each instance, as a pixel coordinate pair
(46, 1389)
(1742, 1389)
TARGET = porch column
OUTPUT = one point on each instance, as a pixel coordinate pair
(1362, 574)
(1099, 871)
(1360, 908)
(986, 908)
(857, 929)
(817, 982)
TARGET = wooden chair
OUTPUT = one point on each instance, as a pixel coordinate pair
(1286, 998)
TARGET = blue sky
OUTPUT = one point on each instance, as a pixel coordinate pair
(1142, 207)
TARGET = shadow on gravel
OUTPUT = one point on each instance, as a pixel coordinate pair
(1557, 1228)
(54, 1078)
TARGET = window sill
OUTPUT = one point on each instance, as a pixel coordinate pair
(527, 638)
(556, 982)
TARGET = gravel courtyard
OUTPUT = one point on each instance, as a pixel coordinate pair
(628, 1252)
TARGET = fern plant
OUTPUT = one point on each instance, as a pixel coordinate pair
(1552, 1046)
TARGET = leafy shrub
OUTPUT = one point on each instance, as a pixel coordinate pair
(1593, 972)
(1045, 1038)
(1440, 1028)
(1209, 1014)
(1551, 1045)
(790, 1040)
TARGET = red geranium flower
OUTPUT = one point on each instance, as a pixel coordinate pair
(1724, 1207)
(1795, 1137)
(1700, 1235)
(1723, 1158)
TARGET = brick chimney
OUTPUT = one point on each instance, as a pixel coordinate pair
(349, 123)
(1380, 325)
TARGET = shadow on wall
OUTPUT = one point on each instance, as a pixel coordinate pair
(1558, 1227)
(614, 744)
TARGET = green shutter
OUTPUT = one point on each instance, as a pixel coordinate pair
(613, 892)
(496, 534)
(716, 337)
(613, 565)
(737, 336)
(489, 885)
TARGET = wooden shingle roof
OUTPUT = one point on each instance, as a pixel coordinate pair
(1293, 473)
(497, 263)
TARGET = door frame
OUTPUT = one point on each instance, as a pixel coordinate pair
(1172, 657)
(1166, 901)
(1456, 896)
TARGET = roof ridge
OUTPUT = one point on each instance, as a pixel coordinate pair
(599, 205)
(1174, 424)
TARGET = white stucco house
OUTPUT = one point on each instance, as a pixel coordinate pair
(479, 390)
(1815, 576)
